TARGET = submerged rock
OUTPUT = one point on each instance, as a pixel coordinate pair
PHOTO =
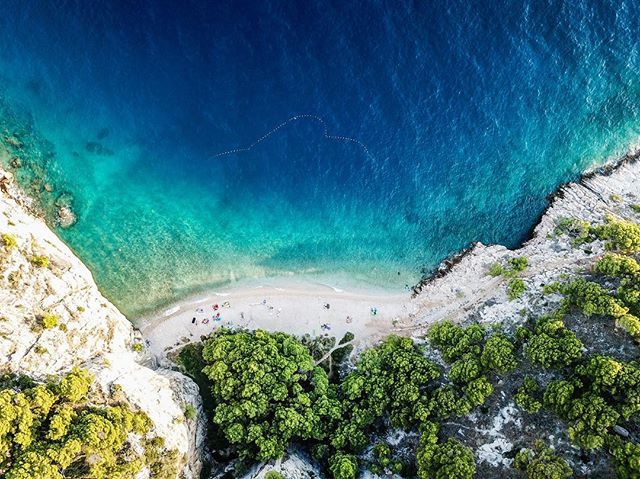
(98, 148)
(66, 217)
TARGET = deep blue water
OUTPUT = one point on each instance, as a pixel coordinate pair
(425, 126)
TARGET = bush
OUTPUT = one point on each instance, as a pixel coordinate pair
(518, 264)
(190, 412)
(617, 265)
(496, 269)
(579, 230)
(515, 288)
(39, 261)
(620, 235)
(273, 474)
(627, 458)
(552, 345)
(49, 321)
(390, 379)
(343, 466)
(9, 241)
(528, 395)
(448, 460)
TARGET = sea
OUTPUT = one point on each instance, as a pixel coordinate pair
(202, 143)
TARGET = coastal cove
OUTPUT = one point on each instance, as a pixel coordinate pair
(468, 293)
(460, 289)
(367, 145)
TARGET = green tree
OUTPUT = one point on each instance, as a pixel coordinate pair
(499, 354)
(542, 463)
(57, 431)
(267, 392)
(619, 234)
(454, 341)
(528, 396)
(515, 288)
(343, 466)
(552, 345)
(626, 457)
(448, 460)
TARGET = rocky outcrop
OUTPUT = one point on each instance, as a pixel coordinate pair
(467, 292)
(53, 317)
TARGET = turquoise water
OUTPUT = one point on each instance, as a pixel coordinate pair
(372, 138)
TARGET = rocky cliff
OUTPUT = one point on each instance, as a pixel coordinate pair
(53, 317)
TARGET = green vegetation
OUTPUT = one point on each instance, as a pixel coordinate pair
(190, 412)
(620, 235)
(39, 261)
(529, 396)
(551, 345)
(499, 354)
(53, 431)
(443, 460)
(541, 463)
(267, 392)
(578, 230)
(49, 320)
(9, 241)
(273, 475)
(138, 347)
(515, 288)
(264, 392)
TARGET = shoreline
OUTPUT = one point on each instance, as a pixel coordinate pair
(296, 306)
(457, 287)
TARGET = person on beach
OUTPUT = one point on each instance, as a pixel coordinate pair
(193, 321)
(374, 310)
(327, 306)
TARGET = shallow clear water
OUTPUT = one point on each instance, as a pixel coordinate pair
(426, 125)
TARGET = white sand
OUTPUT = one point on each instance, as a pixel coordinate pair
(295, 306)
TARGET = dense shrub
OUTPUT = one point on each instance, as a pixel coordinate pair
(617, 265)
(39, 261)
(267, 391)
(49, 320)
(391, 379)
(448, 460)
(528, 396)
(9, 241)
(498, 354)
(515, 288)
(620, 235)
(53, 431)
(542, 463)
(551, 345)
(454, 341)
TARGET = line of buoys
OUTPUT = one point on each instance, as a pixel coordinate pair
(295, 118)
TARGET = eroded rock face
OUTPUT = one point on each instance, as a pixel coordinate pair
(40, 276)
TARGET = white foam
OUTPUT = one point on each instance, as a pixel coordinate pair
(171, 311)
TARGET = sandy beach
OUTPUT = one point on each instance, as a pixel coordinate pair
(295, 306)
